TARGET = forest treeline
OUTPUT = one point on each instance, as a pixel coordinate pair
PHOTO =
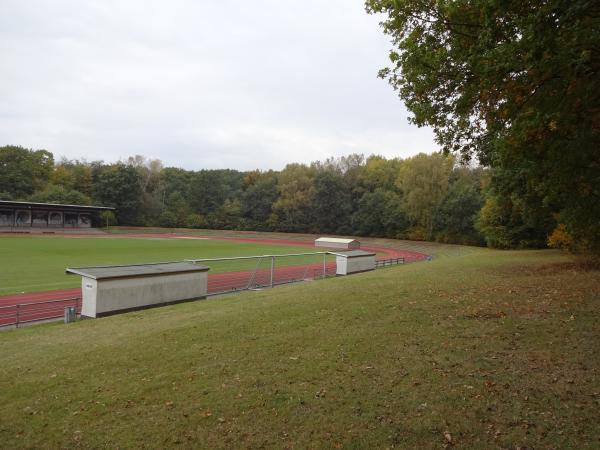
(424, 197)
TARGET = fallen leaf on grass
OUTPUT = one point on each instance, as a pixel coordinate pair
(448, 437)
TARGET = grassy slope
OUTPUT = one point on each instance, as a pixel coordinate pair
(500, 349)
(38, 263)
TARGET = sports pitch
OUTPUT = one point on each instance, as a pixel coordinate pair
(33, 264)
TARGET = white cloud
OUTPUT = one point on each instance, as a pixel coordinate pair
(207, 84)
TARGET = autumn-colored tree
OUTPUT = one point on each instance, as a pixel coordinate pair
(421, 197)
(293, 210)
(380, 173)
(516, 83)
(423, 182)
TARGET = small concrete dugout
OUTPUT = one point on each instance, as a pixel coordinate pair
(354, 261)
(115, 289)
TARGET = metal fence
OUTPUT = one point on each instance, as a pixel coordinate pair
(388, 262)
(255, 272)
(22, 313)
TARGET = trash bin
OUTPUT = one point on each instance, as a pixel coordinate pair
(70, 314)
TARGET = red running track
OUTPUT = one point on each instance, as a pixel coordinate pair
(22, 308)
(33, 308)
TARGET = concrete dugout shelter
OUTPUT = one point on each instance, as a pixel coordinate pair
(346, 244)
(354, 261)
(115, 289)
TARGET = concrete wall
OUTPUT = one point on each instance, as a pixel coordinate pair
(102, 297)
(55, 218)
(41, 218)
(22, 218)
(85, 220)
(346, 266)
(7, 218)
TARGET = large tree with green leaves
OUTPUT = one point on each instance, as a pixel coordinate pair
(423, 181)
(118, 185)
(332, 203)
(380, 213)
(514, 82)
(293, 210)
(59, 194)
(259, 193)
(455, 219)
(23, 171)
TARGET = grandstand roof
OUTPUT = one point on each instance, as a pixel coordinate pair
(30, 205)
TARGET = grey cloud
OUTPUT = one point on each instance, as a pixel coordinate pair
(199, 84)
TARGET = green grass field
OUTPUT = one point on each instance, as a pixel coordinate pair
(31, 264)
(488, 350)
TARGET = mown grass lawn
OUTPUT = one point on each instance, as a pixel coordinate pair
(31, 264)
(487, 350)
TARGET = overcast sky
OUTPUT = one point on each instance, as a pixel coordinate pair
(199, 84)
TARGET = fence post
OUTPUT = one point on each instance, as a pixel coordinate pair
(272, 270)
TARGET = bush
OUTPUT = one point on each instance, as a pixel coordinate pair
(560, 238)
(108, 218)
(167, 219)
(196, 221)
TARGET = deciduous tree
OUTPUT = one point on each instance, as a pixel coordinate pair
(118, 186)
(516, 83)
(23, 171)
(423, 183)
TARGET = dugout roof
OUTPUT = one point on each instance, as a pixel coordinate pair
(335, 240)
(136, 270)
(353, 253)
(52, 206)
